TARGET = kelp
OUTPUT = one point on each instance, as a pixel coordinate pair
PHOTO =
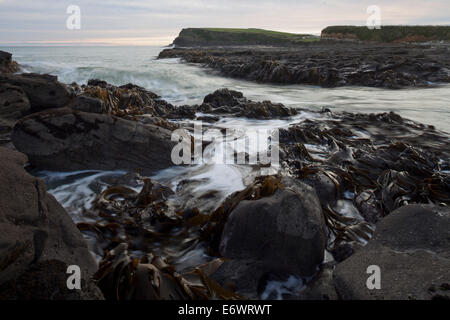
(151, 277)
(383, 160)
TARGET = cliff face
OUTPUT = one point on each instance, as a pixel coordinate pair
(392, 34)
(193, 37)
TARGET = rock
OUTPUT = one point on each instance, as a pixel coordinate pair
(43, 91)
(7, 65)
(224, 97)
(225, 101)
(87, 104)
(412, 248)
(14, 103)
(321, 287)
(38, 239)
(286, 231)
(247, 277)
(67, 140)
(327, 64)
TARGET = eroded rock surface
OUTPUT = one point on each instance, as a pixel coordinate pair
(66, 140)
(412, 248)
(38, 239)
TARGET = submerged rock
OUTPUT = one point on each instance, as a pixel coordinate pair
(411, 247)
(66, 140)
(38, 239)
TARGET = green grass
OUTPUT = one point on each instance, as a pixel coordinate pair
(235, 36)
(393, 33)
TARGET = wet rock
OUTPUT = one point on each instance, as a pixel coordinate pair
(66, 140)
(246, 277)
(327, 64)
(87, 104)
(7, 65)
(412, 248)
(230, 102)
(43, 91)
(285, 232)
(321, 287)
(369, 206)
(38, 239)
(325, 187)
(224, 97)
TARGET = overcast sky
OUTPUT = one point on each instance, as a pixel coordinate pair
(152, 22)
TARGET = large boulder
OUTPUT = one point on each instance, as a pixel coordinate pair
(7, 65)
(38, 239)
(43, 90)
(280, 234)
(412, 248)
(66, 140)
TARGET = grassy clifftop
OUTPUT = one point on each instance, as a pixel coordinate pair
(389, 33)
(230, 36)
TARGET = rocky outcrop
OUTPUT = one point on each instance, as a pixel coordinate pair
(233, 103)
(65, 140)
(326, 64)
(412, 249)
(280, 234)
(7, 64)
(43, 91)
(38, 239)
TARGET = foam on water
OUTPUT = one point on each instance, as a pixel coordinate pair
(181, 83)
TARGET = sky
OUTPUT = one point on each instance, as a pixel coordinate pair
(157, 22)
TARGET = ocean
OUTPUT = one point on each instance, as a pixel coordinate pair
(181, 83)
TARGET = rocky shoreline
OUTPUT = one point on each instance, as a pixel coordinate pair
(343, 175)
(327, 63)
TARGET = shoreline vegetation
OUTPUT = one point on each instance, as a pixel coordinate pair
(233, 36)
(367, 189)
(388, 34)
(205, 37)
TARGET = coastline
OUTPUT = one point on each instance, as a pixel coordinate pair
(384, 161)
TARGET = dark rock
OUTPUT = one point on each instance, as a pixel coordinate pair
(87, 104)
(246, 277)
(43, 91)
(14, 102)
(412, 248)
(7, 65)
(325, 188)
(66, 140)
(327, 64)
(286, 231)
(321, 287)
(38, 239)
(224, 97)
